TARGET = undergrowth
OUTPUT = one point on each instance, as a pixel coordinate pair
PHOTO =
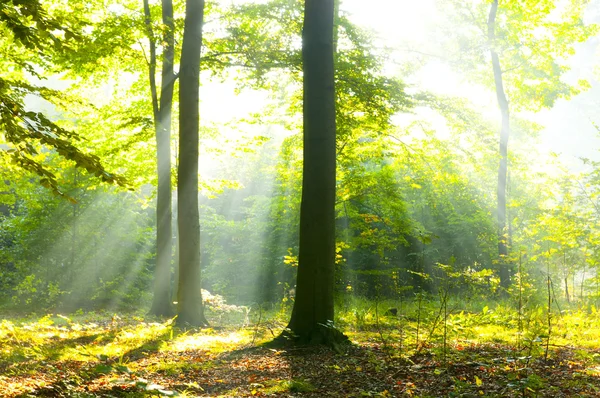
(134, 353)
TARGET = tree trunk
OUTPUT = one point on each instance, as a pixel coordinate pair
(162, 303)
(504, 134)
(566, 277)
(582, 280)
(190, 310)
(175, 290)
(574, 294)
(509, 229)
(313, 312)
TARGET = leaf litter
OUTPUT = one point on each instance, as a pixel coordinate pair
(191, 364)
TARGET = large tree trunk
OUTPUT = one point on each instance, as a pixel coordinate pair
(503, 168)
(162, 303)
(312, 315)
(190, 310)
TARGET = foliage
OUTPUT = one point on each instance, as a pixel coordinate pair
(54, 248)
(533, 40)
(37, 35)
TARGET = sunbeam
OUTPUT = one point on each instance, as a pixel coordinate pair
(215, 198)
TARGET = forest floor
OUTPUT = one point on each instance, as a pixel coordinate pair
(109, 356)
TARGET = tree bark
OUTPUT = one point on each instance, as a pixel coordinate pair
(190, 310)
(162, 303)
(313, 312)
(504, 270)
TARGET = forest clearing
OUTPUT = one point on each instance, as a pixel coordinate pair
(467, 354)
(299, 198)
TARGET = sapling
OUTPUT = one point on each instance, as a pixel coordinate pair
(256, 329)
(549, 311)
(442, 313)
(582, 278)
(597, 285)
(384, 342)
(445, 341)
(520, 320)
(419, 307)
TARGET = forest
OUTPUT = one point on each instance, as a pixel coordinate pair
(320, 198)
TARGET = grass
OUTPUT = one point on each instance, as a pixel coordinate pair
(468, 321)
(471, 350)
(294, 386)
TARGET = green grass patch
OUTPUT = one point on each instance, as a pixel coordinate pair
(293, 386)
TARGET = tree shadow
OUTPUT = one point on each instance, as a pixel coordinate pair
(307, 371)
(148, 347)
(52, 350)
(85, 373)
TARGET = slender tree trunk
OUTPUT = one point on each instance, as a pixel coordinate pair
(566, 277)
(574, 291)
(509, 229)
(582, 280)
(74, 227)
(190, 310)
(504, 134)
(175, 290)
(574, 294)
(597, 285)
(313, 312)
(162, 303)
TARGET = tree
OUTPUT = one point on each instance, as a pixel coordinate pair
(189, 297)
(365, 101)
(312, 315)
(504, 134)
(528, 43)
(162, 109)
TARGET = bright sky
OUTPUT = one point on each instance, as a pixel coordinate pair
(568, 131)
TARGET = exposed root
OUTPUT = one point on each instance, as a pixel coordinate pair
(320, 335)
